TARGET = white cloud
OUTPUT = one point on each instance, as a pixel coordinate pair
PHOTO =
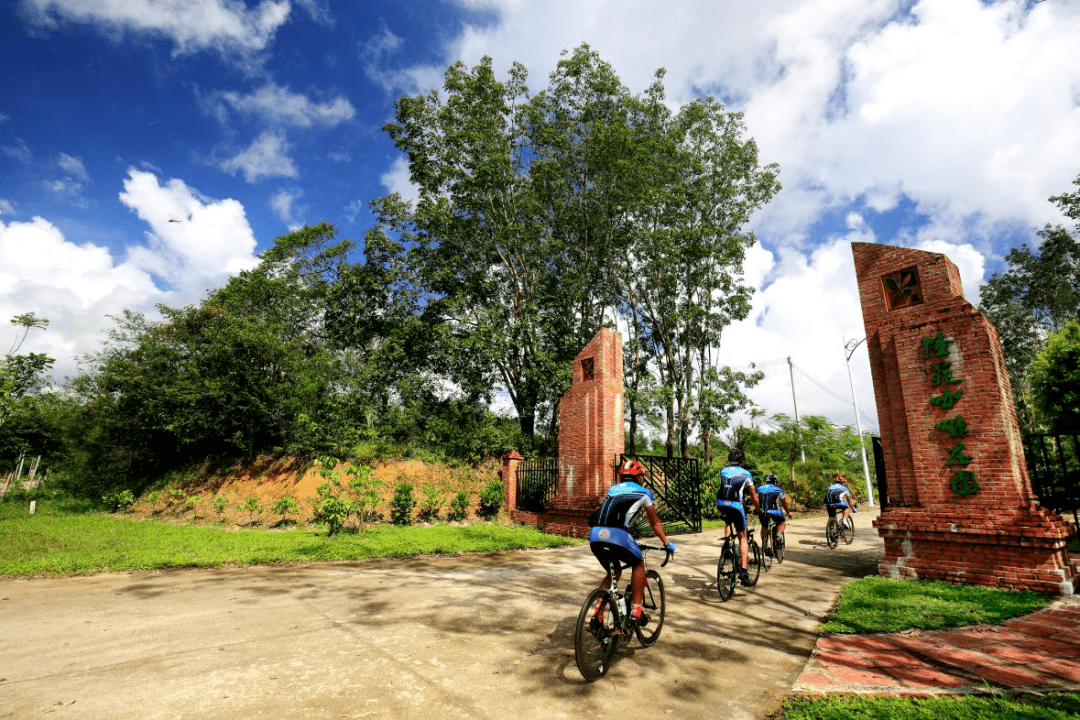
(279, 107)
(73, 166)
(74, 286)
(194, 243)
(225, 26)
(266, 157)
(396, 179)
(6, 207)
(283, 203)
(20, 151)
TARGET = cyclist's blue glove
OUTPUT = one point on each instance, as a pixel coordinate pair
(671, 548)
(854, 509)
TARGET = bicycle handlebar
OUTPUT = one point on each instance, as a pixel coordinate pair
(667, 553)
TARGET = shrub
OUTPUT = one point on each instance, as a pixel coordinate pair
(431, 503)
(154, 498)
(219, 504)
(252, 506)
(402, 505)
(459, 506)
(330, 507)
(364, 491)
(284, 506)
(491, 498)
(193, 503)
(118, 500)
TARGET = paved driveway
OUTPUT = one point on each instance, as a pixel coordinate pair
(479, 636)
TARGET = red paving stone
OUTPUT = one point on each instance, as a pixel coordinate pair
(1041, 650)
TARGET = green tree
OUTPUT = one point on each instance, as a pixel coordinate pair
(1055, 381)
(22, 375)
(1037, 295)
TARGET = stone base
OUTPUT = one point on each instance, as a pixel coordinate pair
(1018, 549)
(568, 519)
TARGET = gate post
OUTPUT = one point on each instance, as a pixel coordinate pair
(511, 461)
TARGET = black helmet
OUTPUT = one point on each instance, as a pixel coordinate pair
(771, 479)
(736, 457)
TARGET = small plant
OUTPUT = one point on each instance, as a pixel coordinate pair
(284, 506)
(220, 503)
(154, 498)
(119, 500)
(331, 507)
(252, 506)
(402, 505)
(176, 494)
(193, 503)
(364, 490)
(491, 498)
(459, 506)
(431, 503)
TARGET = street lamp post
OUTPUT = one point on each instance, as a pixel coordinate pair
(850, 347)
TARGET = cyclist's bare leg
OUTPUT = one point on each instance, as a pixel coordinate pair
(744, 549)
(637, 583)
(606, 584)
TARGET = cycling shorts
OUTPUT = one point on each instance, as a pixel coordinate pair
(733, 513)
(837, 506)
(776, 516)
(614, 547)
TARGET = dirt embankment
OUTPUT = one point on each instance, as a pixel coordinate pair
(269, 480)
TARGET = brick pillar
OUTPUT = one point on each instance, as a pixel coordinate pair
(961, 507)
(591, 423)
(511, 461)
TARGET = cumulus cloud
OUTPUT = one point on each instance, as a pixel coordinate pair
(75, 286)
(224, 26)
(267, 156)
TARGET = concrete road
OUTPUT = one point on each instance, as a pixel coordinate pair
(479, 636)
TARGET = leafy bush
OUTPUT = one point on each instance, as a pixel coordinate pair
(118, 500)
(331, 507)
(364, 492)
(491, 498)
(219, 504)
(459, 506)
(431, 503)
(251, 506)
(284, 506)
(402, 505)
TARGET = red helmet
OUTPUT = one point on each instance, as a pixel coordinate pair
(632, 469)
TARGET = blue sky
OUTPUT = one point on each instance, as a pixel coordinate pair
(938, 124)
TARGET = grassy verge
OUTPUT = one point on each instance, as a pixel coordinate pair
(876, 604)
(61, 540)
(862, 707)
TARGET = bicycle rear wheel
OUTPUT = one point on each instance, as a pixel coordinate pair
(652, 602)
(725, 572)
(767, 552)
(778, 547)
(754, 560)
(595, 643)
(847, 530)
(832, 532)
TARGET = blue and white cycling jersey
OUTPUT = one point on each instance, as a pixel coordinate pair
(622, 504)
(733, 483)
(769, 497)
(837, 495)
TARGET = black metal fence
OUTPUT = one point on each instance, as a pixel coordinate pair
(677, 484)
(1053, 463)
(536, 483)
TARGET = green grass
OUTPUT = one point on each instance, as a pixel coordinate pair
(999, 707)
(876, 604)
(61, 540)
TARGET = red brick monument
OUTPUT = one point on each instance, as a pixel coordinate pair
(590, 440)
(960, 503)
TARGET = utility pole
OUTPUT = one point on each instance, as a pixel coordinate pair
(850, 347)
(795, 402)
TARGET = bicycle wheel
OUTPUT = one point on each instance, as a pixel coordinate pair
(754, 561)
(778, 547)
(767, 551)
(652, 602)
(832, 532)
(847, 530)
(725, 572)
(594, 646)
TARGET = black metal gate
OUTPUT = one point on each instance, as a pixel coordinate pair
(536, 483)
(1053, 463)
(676, 482)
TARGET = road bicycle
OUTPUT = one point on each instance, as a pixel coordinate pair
(730, 563)
(772, 542)
(839, 527)
(596, 639)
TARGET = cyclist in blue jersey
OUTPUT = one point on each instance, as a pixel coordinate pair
(773, 501)
(838, 497)
(736, 480)
(611, 541)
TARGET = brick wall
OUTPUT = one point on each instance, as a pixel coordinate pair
(961, 507)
